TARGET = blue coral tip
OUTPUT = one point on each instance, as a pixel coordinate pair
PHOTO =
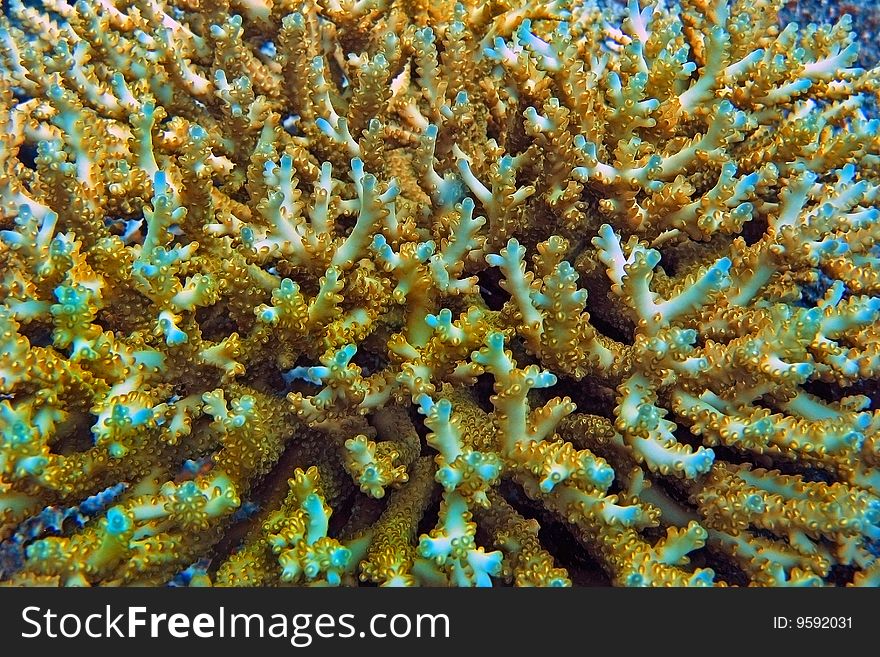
(755, 503)
(635, 579)
(118, 521)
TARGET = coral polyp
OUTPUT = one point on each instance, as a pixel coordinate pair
(459, 293)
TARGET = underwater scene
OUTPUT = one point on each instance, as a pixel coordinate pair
(445, 293)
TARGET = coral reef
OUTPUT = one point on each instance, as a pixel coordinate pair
(865, 16)
(388, 292)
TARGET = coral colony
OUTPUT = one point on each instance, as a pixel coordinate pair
(456, 293)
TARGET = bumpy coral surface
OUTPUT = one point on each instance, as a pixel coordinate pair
(328, 292)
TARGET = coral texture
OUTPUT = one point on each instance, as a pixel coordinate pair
(328, 292)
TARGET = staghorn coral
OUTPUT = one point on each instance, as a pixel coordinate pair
(470, 275)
